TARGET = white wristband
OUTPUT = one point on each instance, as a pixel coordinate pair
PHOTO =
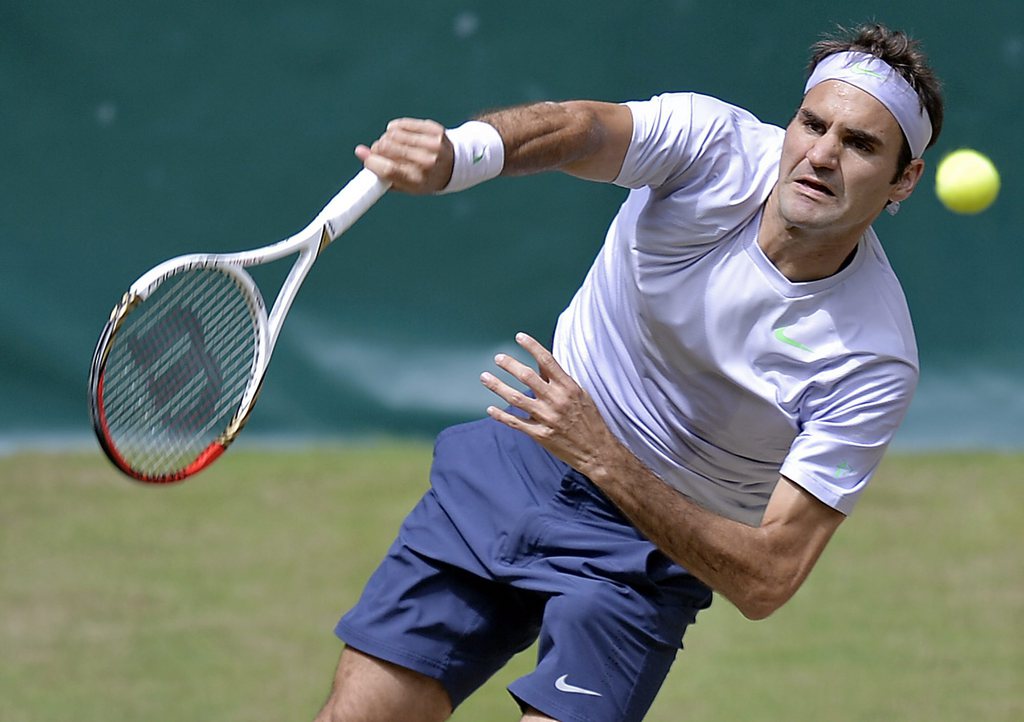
(479, 155)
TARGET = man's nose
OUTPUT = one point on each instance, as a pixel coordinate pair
(824, 153)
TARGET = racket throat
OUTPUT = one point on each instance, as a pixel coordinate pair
(325, 240)
(245, 411)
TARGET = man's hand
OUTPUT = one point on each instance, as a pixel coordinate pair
(415, 156)
(561, 416)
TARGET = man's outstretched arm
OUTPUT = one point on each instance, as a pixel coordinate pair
(584, 138)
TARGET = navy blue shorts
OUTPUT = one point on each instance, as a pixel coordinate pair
(509, 546)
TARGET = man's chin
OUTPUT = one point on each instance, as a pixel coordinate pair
(809, 216)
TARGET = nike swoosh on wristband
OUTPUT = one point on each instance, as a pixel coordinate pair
(478, 158)
(780, 334)
(562, 686)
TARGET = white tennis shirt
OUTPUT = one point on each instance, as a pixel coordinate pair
(714, 369)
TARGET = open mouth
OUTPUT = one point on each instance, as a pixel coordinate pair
(815, 186)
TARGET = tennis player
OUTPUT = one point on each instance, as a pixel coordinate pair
(721, 389)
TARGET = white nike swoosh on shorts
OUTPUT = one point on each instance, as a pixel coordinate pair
(562, 686)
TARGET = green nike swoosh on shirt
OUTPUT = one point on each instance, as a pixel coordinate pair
(780, 334)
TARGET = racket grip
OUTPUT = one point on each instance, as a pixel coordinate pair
(351, 202)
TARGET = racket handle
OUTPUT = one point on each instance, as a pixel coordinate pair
(351, 202)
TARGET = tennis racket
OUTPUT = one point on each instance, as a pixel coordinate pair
(180, 362)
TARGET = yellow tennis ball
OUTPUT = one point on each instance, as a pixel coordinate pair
(966, 181)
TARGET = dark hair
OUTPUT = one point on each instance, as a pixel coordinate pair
(905, 56)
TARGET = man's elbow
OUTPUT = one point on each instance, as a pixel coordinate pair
(757, 610)
(762, 599)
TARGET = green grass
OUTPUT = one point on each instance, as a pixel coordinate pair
(214, 600)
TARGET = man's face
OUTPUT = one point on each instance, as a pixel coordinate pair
(839, 157)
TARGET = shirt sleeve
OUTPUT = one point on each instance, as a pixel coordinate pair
(698, 168)
(688, 139)
(659, 149)
(849, 427)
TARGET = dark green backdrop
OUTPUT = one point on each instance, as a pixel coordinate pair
(136, 130)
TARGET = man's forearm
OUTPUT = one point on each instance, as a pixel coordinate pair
(585, 138)
(734, 559)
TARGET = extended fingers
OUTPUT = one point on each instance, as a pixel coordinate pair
(548, 367)
(511, 395)
(520, 371)
(527, 426)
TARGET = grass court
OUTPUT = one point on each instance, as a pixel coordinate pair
(215, 599)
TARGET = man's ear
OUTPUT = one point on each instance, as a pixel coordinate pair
(903, 187)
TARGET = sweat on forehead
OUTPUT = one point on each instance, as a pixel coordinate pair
(879, 79)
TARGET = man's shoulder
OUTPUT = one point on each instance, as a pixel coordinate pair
(877, 309)
(713, 105)
(709, 110)
(709, 166)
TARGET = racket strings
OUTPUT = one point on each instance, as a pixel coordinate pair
(177, 370)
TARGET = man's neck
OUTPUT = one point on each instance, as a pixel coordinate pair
(803, 254)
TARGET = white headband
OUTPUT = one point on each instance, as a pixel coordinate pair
(875, 76)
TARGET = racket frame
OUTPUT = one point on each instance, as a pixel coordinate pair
(350, 203)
